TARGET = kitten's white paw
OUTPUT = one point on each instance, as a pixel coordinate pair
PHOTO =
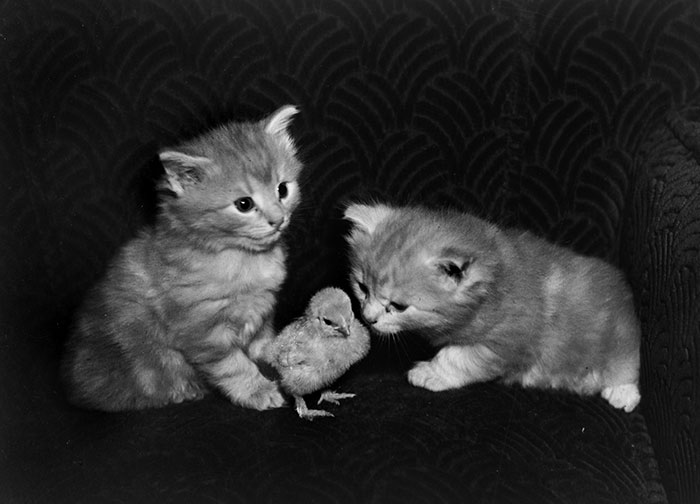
(423, 375)
(624, 397)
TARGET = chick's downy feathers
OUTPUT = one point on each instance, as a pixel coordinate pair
(316, 349)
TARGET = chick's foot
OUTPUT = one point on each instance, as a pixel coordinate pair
(333, 397)
(309, 414)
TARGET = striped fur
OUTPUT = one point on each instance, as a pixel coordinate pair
(497, 303)
(183, 305)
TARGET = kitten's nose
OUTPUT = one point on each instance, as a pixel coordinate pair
(370, 316)
(275, 217)
(276, 223)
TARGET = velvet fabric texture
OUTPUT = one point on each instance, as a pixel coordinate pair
(576, 120)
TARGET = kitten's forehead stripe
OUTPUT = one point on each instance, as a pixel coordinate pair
(247, 186)
(243, 148)
(398, 243)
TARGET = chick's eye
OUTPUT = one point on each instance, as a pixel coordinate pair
(244, 205)
(328, 322)
(283, 190)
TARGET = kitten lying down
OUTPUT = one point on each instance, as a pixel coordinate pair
(497, 303)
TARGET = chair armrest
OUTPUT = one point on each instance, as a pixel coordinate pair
(661, 255)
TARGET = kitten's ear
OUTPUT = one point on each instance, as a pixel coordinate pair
(182, 170)
(366, 217)
(276, 125)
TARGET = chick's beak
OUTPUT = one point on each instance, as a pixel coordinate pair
(344, 329)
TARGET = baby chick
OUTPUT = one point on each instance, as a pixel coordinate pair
(316, 349)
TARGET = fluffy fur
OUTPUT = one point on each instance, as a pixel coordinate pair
(316, 349)
(188, 303)
(497, 303)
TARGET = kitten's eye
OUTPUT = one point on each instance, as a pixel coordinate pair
(363, 289)
(398, 307)
(283, 190)
(244, 205)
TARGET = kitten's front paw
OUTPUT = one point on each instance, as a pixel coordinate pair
(624, 397)
(267, 396)
(423, 375)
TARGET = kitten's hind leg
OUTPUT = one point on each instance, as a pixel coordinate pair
(621, 381)
(625, 397)
(240, 379)
(455, 366)
(102, 374)
(183, 383)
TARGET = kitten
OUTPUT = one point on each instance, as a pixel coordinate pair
(497, 303)
(189, 303)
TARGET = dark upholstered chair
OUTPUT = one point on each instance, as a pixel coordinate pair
(578, 120)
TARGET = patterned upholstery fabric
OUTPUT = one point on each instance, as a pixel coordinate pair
(661, 254)
(577, 120)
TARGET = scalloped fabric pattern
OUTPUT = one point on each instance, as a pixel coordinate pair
(663, 258)
(531, 115)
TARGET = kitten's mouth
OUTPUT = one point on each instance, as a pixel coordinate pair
(385, 332)
(266, 241)
(272, 237)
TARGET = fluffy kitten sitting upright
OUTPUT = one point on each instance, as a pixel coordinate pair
(497, 303)
(189, 303)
